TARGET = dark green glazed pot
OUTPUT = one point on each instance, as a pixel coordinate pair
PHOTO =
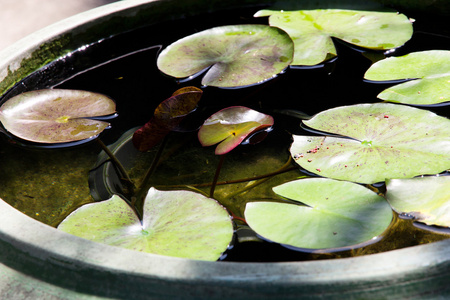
(39, 262)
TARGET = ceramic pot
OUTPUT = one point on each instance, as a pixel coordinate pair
(39, 262)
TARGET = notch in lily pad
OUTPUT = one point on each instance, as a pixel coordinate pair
(375, 142)
(234, 56)
(324, 215)
(312, 30)
(56, 115)
(427, 73)
(175, 223)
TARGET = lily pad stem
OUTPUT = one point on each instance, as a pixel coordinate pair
(199, 185)
(216, 176)
(262, 180)
(117, 163)
(145, 184)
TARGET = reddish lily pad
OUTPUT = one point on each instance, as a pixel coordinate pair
(56, 115)
(238, 55)
(167, 116)
(230, 126)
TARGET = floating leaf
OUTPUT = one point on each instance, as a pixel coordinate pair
(175, 223)
(167, 116)
(56, 115)
(312, 30)
(427, 199)
(336, 214)
(170, 112)
(238, 55)
(385, 141)
(430, 71)
(231, 126)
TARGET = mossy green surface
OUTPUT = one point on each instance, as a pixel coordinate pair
(46, 184)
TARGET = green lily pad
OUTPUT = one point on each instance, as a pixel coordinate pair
(427, 199)
(238, 55)
(175, 223)
(384, 141)
(312, 30)
(336, 214)
(230, 126)
(56, 115)
(430, 71)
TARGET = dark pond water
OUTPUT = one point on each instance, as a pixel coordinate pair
(48, 184)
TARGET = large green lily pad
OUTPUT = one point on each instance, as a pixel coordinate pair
(56, 115)
(384, 141)
(175, 223)
(312, 30)
(430, 71)
(336, 214)
(427, 199)
(230, 126)
(238, 55)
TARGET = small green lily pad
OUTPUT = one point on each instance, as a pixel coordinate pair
(383, 141)
(175, 223)
(430, 71)
(330, 214)
(312, 30)
(56, 115)
(230, 126)
(238, 55)
(427, 199)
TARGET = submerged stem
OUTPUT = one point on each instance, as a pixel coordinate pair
(199, 185)
(262, 179)
(119, 166)
(145, 184)
(216, 176)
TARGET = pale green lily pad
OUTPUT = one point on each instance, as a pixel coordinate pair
(175, 223)
(384, 141)
(429, 69)
(238, 55)
(427, 199)
(312, 30)
(56, 115)
(336, 214)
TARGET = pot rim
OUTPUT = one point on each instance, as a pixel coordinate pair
(31, 246)
(47, 242)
